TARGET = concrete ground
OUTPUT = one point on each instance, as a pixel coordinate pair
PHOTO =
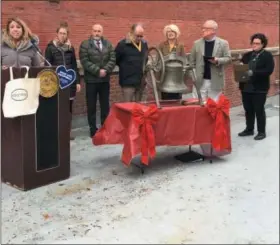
(235, 200)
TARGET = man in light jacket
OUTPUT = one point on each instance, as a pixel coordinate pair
(208, 56)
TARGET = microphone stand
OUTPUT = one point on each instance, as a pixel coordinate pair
(39, 52)
(49, 64)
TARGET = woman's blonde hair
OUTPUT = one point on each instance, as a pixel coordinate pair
(172, 27)
(26, 32)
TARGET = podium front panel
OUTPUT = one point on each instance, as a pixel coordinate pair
(47, 133)
(43, 156)
(11, 141)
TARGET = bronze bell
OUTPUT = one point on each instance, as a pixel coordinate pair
(173, 81)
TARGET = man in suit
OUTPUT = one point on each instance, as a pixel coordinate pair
(209, 56)
(98, 59)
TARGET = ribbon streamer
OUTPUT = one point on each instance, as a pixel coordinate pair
(220, 113)
(145, 119)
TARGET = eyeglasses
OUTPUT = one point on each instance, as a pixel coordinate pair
(139, 36)
(256, 43)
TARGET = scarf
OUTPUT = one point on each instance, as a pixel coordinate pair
(172, 46)
(64, 46)
(138, 46)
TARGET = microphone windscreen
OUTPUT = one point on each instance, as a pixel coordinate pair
(33, 41)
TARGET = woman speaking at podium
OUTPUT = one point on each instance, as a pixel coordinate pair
(60, 52)
(17, 46)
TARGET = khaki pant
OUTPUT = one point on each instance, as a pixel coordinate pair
(207, 92)
(132, 93)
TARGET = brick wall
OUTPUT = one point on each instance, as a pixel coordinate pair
(237, 21)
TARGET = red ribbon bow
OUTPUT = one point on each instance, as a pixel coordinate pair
(145, 120)
(219, 112)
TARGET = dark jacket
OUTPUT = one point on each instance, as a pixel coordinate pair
(92, 60)
(262, 66)
(56, 56)
(130, 61)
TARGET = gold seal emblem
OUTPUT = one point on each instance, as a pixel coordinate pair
(48, 83)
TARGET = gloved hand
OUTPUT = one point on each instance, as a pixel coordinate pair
(250, 73)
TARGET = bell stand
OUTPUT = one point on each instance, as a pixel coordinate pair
(190, 156)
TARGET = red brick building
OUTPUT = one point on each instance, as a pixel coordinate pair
(237, 21)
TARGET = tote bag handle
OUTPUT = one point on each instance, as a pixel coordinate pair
(12, 75)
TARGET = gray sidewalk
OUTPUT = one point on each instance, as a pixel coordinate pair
(234, 200)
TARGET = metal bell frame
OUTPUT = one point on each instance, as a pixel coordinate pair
(157, 67)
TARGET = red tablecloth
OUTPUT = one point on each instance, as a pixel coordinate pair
(175, 126)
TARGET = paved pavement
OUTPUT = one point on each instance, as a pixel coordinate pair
(234, 200)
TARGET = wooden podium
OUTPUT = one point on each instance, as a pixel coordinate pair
(35, 149)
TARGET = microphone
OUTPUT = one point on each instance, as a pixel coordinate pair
(38, 51)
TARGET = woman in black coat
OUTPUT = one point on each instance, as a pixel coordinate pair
(60, 52)
(254, 91)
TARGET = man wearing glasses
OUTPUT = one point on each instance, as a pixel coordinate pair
(208, 56)
(130, 57)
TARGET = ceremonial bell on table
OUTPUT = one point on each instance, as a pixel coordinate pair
(168, 74)
(173, 81)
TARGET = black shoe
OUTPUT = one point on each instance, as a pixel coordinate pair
(92, 132)
(246, 133)
(260, 136)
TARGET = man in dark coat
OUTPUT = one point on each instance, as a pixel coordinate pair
(131, 54)
(98, 59)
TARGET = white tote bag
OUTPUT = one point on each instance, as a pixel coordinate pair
(21, 96)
